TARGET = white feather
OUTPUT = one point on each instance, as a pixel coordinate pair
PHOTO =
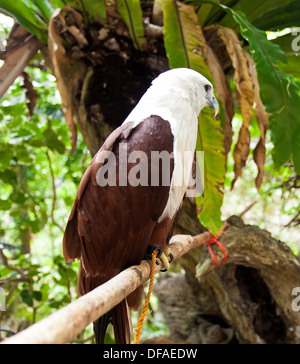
(177, 96)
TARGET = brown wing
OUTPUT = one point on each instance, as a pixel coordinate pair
(71, 240)
(110, 227)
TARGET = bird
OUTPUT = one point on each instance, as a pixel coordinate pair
(125, 206)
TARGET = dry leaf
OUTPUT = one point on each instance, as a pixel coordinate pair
(262, 118)
(245, 95)
(31, 94)
(68, 71)
(77, 34)
(224, 94)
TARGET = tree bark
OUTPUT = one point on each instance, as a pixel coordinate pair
(100, 79)
(21, 48)
(247, 300)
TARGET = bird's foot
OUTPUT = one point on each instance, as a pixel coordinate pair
(150, 250)
(166, 258)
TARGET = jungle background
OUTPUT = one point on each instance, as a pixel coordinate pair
(71, 72)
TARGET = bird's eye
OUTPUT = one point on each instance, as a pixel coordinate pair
(207, 88)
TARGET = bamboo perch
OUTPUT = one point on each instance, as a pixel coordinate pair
(65, 324)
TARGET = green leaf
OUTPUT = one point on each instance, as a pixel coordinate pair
(175, 42)
(36, 295)
(45, 6)
(28, 15)
(208, 13)
(183, 38)
(211, 141)
(286, 42)
(5, 205)
(131, 12)
(95, 8)
(5, 159)
(185, 47)
(265, 14)
(256, 9)
(27, 297)
(52, 141)
(284, 16)
(285, 128)
(57, 4)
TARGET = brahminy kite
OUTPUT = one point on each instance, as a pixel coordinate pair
(126, 204)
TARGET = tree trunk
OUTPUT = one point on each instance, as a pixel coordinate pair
(247, 300)
(102, 76)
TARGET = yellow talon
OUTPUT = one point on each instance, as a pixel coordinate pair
(165, 261)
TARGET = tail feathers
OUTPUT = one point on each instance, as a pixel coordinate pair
(121, 321)
(100, 327)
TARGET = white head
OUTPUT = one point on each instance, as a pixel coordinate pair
(188, 84)
(178, 96)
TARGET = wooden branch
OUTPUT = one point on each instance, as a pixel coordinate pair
(67, 323)
(247, 209)
(16, 60)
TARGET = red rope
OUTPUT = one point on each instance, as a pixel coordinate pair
(214, 240)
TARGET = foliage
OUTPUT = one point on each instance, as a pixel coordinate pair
(186, 47)
(28, 14)
(131, 12)
(39, 176)
(35, 168)
(279, 93)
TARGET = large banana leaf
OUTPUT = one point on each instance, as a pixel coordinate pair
(185, 47)
(131, 12)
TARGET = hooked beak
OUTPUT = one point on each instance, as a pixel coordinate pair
(213, 104)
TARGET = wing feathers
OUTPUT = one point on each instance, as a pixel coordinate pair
(110, 227)
(71, 241)
(121, 323)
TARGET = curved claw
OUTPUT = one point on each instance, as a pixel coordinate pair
(165, 261)
(166, 258)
